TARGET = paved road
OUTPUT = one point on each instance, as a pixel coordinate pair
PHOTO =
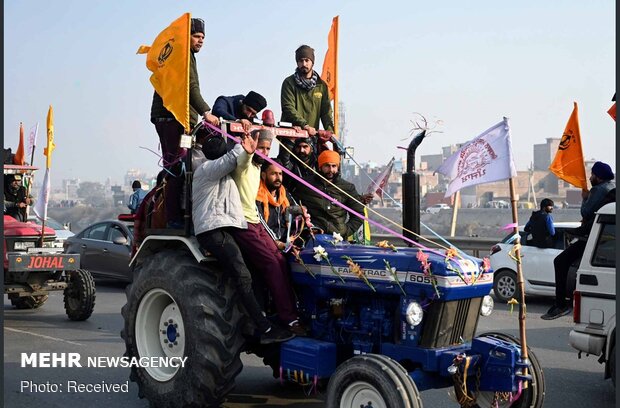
(570, 382)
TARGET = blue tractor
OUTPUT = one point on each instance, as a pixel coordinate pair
(385, 323)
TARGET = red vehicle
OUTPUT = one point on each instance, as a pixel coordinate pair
(32, 270)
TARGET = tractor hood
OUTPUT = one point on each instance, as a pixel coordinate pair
(14, 228)
(448, 278)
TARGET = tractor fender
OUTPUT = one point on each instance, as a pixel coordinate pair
(157, 243)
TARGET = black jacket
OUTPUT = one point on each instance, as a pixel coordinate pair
(537, 226)
(326, 215)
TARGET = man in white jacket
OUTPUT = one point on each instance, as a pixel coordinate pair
(217, 212)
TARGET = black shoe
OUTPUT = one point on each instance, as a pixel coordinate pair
(276, 335)
(556, 312)
(297, 328)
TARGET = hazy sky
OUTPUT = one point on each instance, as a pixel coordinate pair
(466, 64)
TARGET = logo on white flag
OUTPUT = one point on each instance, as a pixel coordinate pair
(484, 159)
(475, 157)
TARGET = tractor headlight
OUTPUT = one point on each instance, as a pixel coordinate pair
(414, 313)
(487, 306)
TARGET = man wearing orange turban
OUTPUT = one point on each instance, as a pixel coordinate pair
(325, 214)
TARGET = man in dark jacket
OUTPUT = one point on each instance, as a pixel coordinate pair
(170, 130)
(593, 200)
(304, 152)
(16, 198)
(326, 215)
(239, 107)
(541, 226)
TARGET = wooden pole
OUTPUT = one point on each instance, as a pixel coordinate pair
(520, 282)
(455, 210)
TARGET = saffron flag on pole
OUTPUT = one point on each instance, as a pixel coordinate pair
(168, 59)
(329, 74)
(484, 159)
(20, 154)
(568, 164)
(40, 206)
(377, 186)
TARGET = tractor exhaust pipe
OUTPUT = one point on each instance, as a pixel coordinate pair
(411, 191)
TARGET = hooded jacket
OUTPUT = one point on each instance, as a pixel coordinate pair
(216, 201)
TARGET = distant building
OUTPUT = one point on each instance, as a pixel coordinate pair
(544, 153)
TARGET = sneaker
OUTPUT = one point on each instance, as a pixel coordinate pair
(275, 335)
(556, 312)
(297, 328)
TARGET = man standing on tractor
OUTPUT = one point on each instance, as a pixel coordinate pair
(170, 130)
(217, 213)
(239, 107)
(304, 96)
(256, 244)
(16, 198)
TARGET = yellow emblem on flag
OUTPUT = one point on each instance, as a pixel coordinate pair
(568, 163)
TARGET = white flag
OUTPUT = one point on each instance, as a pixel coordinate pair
(484, 159)
(40, 206)
(32, 138)
(377, 186)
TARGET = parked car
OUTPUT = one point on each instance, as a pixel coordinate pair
(536, 264)
(594, 313)
(62, 231)
(104, 248)
(435, 208)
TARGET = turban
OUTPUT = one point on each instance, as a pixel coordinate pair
(329, 156)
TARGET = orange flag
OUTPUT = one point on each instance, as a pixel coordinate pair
(612, 111)
(168, 59)
(20, 154)
(330, 68)
(568, 163)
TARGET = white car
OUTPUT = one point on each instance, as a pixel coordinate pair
(536, 264)
(62, 231)
(435, 208)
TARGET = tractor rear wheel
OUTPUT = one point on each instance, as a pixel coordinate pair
(179, 308)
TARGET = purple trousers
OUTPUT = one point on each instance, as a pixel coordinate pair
(169, 138)
(264, 257)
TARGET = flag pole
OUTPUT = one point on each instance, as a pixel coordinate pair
(455, 210)
(520, 282)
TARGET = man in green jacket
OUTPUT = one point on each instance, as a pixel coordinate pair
(304, 96)
(170, 130)
(326, 215)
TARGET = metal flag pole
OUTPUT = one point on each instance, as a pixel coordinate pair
(455, 210)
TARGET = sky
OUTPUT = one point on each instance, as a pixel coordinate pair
(466, 65)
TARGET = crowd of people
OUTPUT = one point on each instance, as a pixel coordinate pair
(240, 201)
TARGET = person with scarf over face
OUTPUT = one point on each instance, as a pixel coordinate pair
(217, 213)
(258, 248)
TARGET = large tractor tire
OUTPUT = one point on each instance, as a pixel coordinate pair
(531, 397)
(179, 308)
(79, 295)
(29, 302)
(372, 381)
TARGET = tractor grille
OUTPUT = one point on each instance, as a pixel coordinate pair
(449, 323)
